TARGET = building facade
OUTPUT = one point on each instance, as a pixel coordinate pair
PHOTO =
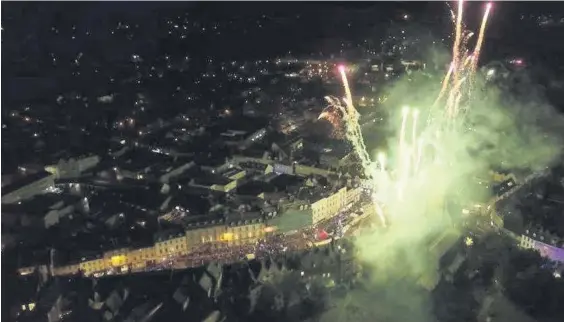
(36, 184)
(329, 206)
(168, 248)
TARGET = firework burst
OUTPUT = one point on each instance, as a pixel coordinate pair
(334, 117)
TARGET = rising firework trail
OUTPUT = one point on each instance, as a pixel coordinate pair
(457, 40)
(445, 82)
(351, 116)
(476, 55)
(463, 65)
(414, 128)
(354, 135)
(418, 154)
(382, 161)
(404, 117)
(456, 60)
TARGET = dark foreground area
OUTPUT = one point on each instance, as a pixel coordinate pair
(318, 285)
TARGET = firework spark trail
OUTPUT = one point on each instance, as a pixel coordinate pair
(446, 81)
(403, 160)
(331, 114)
(476, 55)
(324, 115)
(352, 130)
(457, 40)
(463, 65)
(382, 161)
(415, 141)
(464, 56)
(354, 134)
(456, 58)
(469, 35)
(345, 81)
(457, 102)
(353, 127)
(409, 152)
(404, 117)
(467, 61)
(414, 129)
(453, 100)
(418, 155)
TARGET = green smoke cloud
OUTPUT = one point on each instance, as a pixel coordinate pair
(495, 129)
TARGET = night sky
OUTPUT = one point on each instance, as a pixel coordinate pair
(287, 26)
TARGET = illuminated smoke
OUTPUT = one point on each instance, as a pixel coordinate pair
(457, 40)
(431, 162)
(411, 168)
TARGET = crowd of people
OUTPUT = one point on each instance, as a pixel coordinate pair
(275, 244)
(271, 246)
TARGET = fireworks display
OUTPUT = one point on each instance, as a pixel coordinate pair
(333, 116)
(390, 181)
(442, 140)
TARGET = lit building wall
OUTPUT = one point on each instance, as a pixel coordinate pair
(207, 235)
(353, 195)
(304, 170)
(546, 250)
(93, 266)
(224, 236)
(71, 269)
(29, 190)
(122, 260)
(268, 169)
(329, 206)
(117, 258)
(171, 247)
(138, 258)
(72, 167)
(237, 175)
(526, 242)
(225, 188)
(26, 270)
(500, 177)
(255, 137)
(245, 233)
